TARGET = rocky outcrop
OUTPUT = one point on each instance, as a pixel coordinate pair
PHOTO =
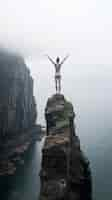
(17, 108)
(65, 172)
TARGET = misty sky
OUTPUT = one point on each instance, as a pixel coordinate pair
(81, 27)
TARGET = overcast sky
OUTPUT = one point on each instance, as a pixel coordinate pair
(82, 28)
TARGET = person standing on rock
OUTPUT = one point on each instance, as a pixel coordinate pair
(58, 65)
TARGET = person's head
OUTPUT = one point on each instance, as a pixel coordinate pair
(57, 59)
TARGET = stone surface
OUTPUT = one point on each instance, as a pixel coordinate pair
(17, 104)
(65, 172)
(17, 107)
(57, 113)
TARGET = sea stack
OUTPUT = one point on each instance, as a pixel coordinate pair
(65, 172)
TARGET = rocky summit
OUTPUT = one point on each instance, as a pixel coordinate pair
(17, 110)
(65, 172)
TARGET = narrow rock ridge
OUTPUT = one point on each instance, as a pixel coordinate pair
(65, 173)
(17, 110)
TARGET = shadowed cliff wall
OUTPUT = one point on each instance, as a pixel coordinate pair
(17, 108)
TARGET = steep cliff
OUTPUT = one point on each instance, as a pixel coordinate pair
(17, 108)
(65, 172)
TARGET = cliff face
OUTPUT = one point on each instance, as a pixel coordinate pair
(65, 172)
(17, 107)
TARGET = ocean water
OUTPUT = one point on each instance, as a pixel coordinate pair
(89, 88)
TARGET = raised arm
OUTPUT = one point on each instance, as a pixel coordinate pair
(51, 60)
(64, 59)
